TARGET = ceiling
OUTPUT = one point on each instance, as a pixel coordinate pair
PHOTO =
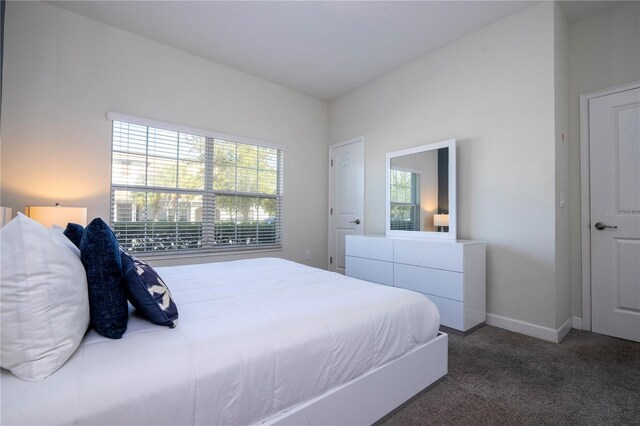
(322, 48)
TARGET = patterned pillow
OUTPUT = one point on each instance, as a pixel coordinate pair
(74, 232)
(100, 255)
(147, 292)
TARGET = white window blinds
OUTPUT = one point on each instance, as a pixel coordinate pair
(405, 200)
(179, 191)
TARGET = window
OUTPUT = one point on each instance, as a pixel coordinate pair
(178, 191)
(405, 200)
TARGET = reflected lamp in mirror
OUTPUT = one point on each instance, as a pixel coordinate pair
(5, 213)
(57, 215)
(440, 220)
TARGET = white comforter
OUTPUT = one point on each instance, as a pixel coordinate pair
(254, 338)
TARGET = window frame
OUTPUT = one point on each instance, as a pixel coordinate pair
(415, 197)
(208, 193)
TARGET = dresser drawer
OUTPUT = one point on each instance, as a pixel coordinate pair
(369, 247)
(437, 282)
(370, 270)
(432, 254)
(450, 273)
(451, 312)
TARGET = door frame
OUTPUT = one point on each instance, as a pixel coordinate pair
(361, 140)
(585, 193)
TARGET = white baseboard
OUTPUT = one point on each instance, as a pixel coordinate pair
(564, 329)
(577, 323)
(533, 330)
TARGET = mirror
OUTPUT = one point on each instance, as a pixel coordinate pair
(421, 191)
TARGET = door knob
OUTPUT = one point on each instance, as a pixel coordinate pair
(600, 226)
(357, 221)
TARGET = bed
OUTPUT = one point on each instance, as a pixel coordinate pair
(261, 341)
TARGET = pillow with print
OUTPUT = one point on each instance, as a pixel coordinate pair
(147, 292)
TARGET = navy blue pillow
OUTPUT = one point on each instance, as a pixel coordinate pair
(100, 255)
(148, 293)
(74, 232)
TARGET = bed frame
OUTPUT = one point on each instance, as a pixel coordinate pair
(369, 397)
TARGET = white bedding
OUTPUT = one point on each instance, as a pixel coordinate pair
(254, 339)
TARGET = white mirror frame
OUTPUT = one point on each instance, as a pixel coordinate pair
(452, 234)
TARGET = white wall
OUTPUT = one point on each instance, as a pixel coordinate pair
(561, 64)
(63, 72)
(494, 92)
(604, 51)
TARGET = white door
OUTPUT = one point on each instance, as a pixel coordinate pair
(614, 137)
(346, 197)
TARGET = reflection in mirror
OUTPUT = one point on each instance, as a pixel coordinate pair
(421, 191)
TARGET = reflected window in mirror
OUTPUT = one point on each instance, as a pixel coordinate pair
(405, 200)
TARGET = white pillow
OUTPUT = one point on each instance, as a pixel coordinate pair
(44, 305)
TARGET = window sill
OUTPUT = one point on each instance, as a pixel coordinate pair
(150, 256)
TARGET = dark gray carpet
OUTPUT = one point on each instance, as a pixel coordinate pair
(497, 377)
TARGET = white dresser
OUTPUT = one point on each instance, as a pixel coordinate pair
(449, 272)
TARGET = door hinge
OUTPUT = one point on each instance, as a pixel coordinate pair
(331, 210)
(330, 259)
(331, 163)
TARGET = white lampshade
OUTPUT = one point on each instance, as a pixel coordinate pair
(5, 215)
(57, 215)
(440, 220)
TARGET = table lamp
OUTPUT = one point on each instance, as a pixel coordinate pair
(57, 215)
